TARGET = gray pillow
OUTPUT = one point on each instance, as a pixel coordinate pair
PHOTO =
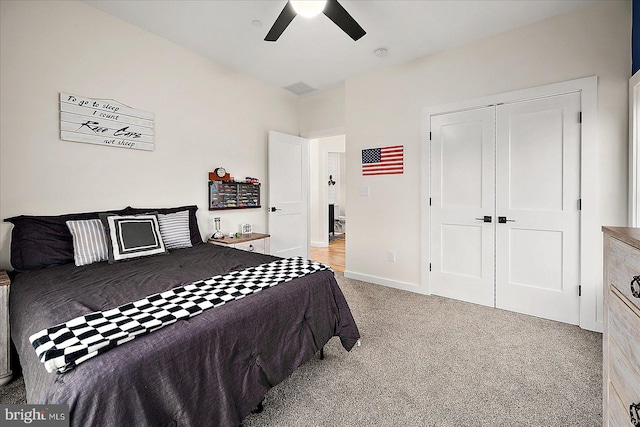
(45, 241)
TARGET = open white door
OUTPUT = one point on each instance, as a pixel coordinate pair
(288, 194)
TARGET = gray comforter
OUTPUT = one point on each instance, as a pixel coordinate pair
(209, 370)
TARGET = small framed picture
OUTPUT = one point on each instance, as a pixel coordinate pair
(246, 228)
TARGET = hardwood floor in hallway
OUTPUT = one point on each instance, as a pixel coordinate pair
(333, 255)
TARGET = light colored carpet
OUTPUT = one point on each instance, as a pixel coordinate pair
(431, 361)
(13, 393)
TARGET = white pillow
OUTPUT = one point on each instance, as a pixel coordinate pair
(89, 241)
(174, 228)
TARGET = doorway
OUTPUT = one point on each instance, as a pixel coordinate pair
(333, 255)
(327, 214)
(505, 214)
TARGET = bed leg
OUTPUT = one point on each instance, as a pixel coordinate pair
(322, 353)
(259, 408)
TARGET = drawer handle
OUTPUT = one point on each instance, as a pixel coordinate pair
(251, 249)
(634, 411)
(635, 290)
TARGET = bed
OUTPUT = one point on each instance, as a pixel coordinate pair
(210, 369)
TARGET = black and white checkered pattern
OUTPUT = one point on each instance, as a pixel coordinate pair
(63, 347)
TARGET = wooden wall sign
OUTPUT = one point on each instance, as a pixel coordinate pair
(105, 122)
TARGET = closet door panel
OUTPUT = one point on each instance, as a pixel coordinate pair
(537, 192)
(535, 161)
(462, 189)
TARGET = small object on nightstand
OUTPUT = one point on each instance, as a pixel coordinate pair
(5, 365)
(246, 229)
(218, 234)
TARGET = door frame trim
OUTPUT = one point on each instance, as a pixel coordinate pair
(324, 197)
(591, 301)
(634, 147)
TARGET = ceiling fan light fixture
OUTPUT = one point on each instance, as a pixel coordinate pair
(308, 8)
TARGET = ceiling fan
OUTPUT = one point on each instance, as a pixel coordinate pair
(331, 8)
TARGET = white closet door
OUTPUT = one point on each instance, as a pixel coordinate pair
(462, 190)
(538, 187)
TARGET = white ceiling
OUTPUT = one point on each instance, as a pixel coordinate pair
(317, 52)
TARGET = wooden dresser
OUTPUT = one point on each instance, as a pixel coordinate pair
(621, 339)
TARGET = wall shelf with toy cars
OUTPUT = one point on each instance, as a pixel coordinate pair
(233, 195)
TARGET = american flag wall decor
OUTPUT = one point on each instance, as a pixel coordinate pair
(383, 161)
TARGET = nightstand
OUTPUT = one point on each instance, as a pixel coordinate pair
(254, 242)
(5, 340)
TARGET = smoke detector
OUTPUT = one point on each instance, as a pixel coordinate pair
(381, 52)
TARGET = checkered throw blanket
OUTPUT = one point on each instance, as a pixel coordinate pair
(62, 347)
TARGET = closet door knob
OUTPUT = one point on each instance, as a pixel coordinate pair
(504, 220)
(486, 218)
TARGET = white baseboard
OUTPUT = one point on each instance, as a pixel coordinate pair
(405, 286)
(592, 326)
(411, 287)
(319, 244)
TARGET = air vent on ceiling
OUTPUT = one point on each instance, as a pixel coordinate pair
(300, 88)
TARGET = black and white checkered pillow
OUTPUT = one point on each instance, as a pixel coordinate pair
(89, 241)
(174, 228)
(132, 236)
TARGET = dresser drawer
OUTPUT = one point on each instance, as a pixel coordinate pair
(251, 246)
(254, 242)
(624, 383)
(618, 415)
(624, 267)
(624, 328)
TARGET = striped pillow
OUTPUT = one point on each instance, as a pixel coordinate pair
(89, 241)
(174, 228)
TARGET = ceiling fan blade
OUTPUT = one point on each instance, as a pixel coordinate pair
(334, 11)
(283, 21)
